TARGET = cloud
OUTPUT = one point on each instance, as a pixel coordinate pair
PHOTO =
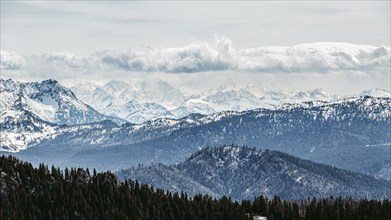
(65, 58)
(220, 55)
(197, 57)
(315, 57)
(11, 60)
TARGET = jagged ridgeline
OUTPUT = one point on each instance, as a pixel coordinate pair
(243, 173)
(42, 193)
(46, 122)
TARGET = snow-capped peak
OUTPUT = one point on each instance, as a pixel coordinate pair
(84, 87)
(49, 101)
(376, 93)
(227, 85)
(316, 94)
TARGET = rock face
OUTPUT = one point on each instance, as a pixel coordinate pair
(243, 173)
(32, 111)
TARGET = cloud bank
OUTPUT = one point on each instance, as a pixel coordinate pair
(220, 55)
(10, 60)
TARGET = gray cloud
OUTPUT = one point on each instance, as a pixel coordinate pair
(218, 56)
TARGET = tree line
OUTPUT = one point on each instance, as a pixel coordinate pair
(27, 192)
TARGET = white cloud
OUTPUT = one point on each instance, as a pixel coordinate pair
(315, 57)
(65, 58)
(11, 60)
(220, 55)
(196, 57)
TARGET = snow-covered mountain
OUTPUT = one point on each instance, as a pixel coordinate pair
(341, 133)
(322, 131)
(49, 101)
(243, 173)
(312, 95)
(162, 100)
(31, 111)
(20, 128)
(135, 103)
(376, 93)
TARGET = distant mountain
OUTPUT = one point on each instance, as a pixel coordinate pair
(31, 111)
(350, 133)
(135, 103)
(376, 93)
(162, 100)
(49, 101)
(311, 95)
(243, 173)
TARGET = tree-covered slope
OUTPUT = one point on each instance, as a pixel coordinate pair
(39, 193)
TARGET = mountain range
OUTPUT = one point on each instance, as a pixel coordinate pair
(244, 173)
(47, 122)
(349, 133)
(140, 102)
(31, 111)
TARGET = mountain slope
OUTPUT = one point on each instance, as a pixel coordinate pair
(351, 133)
(49, 101)
(244, 173)
(376, 93)
(20, 128)
(33, 111)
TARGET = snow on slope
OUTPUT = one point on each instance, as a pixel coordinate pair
(49, 101)
(20, 128)
(30, 112)
(326, 132)
(243, 173)
(376, 93)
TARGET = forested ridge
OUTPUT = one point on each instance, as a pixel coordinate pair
(42, 193)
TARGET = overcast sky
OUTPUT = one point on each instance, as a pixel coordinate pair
(119, 33)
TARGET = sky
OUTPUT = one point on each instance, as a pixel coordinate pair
(270, 43)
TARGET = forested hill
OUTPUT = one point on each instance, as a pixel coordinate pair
(42, 193)
(243, 172)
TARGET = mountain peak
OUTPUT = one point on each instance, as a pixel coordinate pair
(376, 93)
(85, 87)
(230, 154)
(242, 173)
(227, 85)
(116, 84)
(50, 82)
(315, 94)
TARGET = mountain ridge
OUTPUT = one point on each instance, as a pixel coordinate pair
(243, 173)
(46, 106)
(340, 133)
(225, 97)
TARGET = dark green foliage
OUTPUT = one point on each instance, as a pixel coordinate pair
(42, 193)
